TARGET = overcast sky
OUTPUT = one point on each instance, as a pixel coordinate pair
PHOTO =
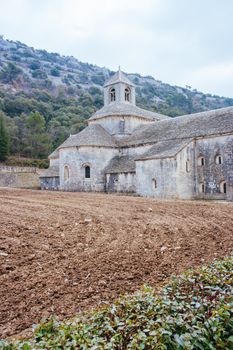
(181, 42)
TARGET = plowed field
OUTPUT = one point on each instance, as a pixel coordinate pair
(65, 252)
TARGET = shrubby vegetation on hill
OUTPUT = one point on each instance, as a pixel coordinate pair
(4, 140)
(51, 119)
(66, 92)
(193, 311)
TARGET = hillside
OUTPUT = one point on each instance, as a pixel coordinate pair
(66, 92)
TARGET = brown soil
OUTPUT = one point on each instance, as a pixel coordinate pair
(64, 252)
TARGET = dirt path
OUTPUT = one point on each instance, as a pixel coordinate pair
(64, 252)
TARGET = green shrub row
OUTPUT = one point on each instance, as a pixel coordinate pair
(193, 311)
(27, 162)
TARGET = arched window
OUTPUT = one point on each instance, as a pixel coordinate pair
(66, 173)
(218, 159)
(187, 166)
(201, 187)
(112, 95)
(201, 161)
(87, 172)
(223, 187)
(127, 94)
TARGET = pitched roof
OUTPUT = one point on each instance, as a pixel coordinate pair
(52, 171)
(213, 122)
(118, 77)
(93, 135)
(121, 164)
(54, 154)
(164, 149)
(126, 109)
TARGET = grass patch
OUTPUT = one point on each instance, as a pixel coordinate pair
(193, 311)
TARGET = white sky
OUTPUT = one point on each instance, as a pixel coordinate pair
(182, 42)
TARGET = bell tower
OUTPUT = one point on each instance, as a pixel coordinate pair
(119, 89)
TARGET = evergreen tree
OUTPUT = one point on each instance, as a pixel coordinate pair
(4, 140)
(36, 138)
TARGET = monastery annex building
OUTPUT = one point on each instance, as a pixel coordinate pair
(128, 149)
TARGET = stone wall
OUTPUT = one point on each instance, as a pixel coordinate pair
(212, 174)
(120, 125)
(76, 159)
(184, 176)
(185, 172)
(19, 177)
(156, 178)
(50, 183)
(171, 178)
(121, 182)
(54, 161)
(229, 165)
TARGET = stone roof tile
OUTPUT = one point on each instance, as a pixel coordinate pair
(126, 109)
(164, 149)
(118, 77)
(54, 154)
(202, 124)
(93, 135)
(52, 171)
(121, 164)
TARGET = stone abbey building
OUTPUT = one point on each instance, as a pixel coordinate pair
(128, 149)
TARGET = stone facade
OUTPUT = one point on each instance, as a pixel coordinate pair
(131, 150)
(120, 127)
(50, 183)
(121, 182)
(77, 159)
(212, 174)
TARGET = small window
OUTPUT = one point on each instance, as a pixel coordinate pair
(202, 187)
(218, 159)
(122, 126)
(66, 173)
(188, 166)
(87, 172)
(223, 187)
(127, 94)
(154, 183)
(112, 95)
(201, 161)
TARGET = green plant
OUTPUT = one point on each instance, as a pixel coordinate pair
(55, 72)
(4, 140)
(9, 73)
(192, 312)
(27, 162)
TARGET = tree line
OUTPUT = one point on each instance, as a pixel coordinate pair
(4, 140)
(36, 124)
